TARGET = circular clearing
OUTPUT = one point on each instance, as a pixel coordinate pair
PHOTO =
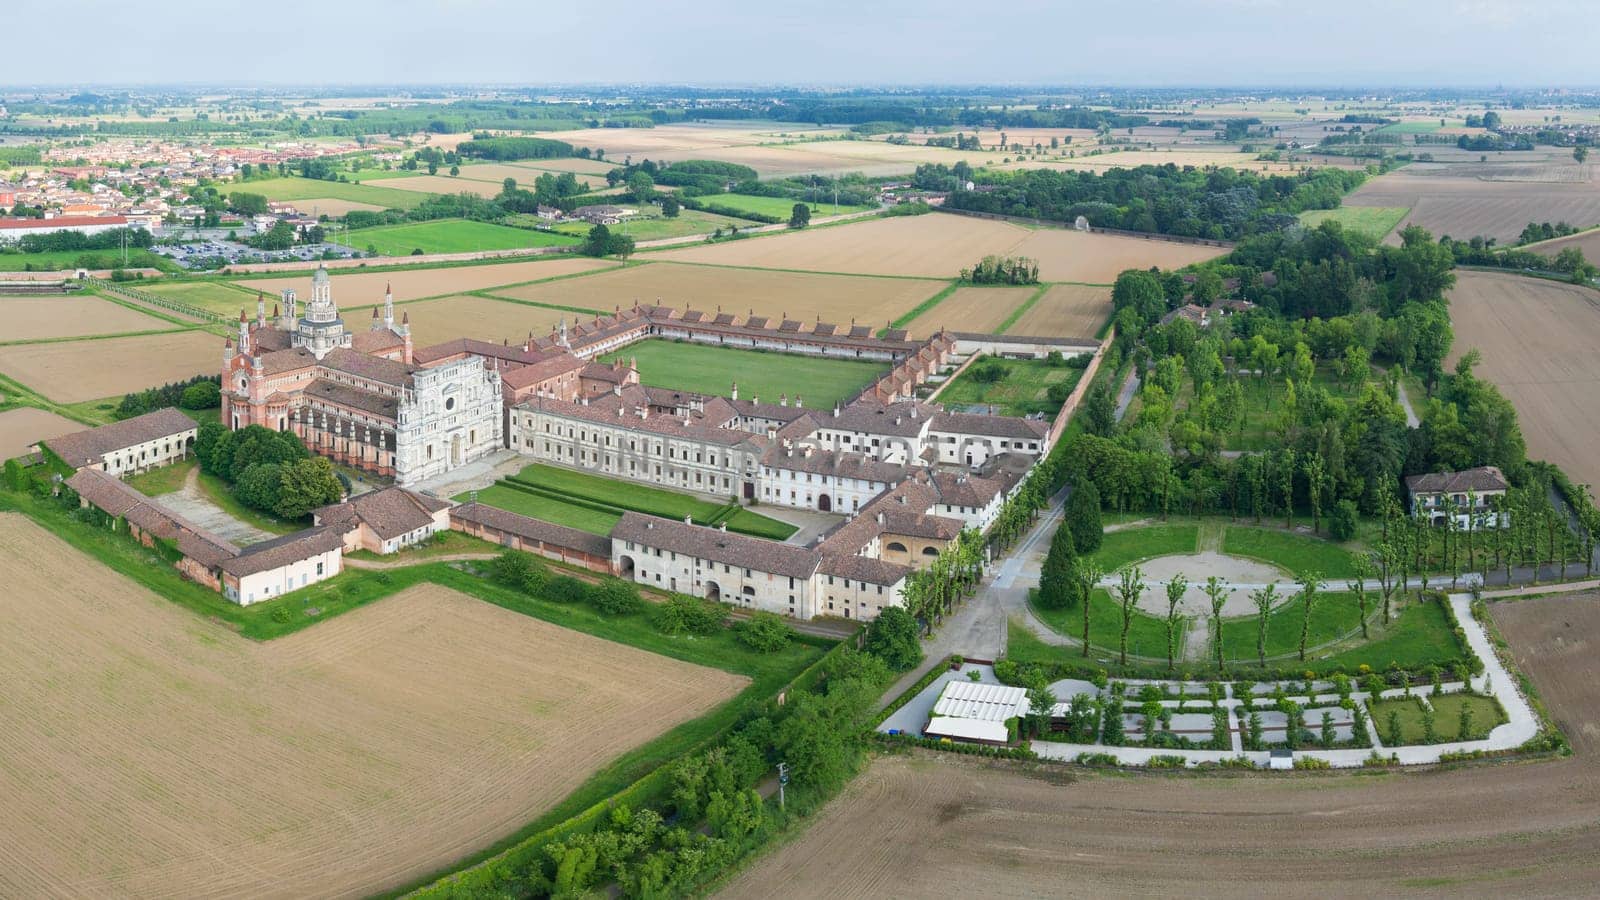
(1237, 571)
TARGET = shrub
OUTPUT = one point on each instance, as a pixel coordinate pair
(1342, 520)
(201, 395)
(682, 614)
(1167, 761)
(892, 637)
(1311, 762)
(616, 598)
(566, 589)
(518, 570)
(764, 632)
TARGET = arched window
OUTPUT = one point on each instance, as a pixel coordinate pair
(930, 551)
(896, 547)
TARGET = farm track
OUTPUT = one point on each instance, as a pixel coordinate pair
(145, 751)
(1524, 829)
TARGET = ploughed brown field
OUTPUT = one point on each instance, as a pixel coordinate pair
(1467, 205)
(146, 751)
(440, 184)
(72, 371)
(953, 826)
(1588, 242)
(1538, 339)
(799, 295)
(940, 245)
(25, 426)
(328, 206)
(1066, 310)
(979, 309)
(359, 289)
(496, 321)
(33, 318)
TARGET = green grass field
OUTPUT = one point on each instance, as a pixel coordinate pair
(90, 259)
(656, 226)
(291, 188)
(1295, 553)
(1333, 615)
(775, 206)
(1419, 636)
(1147, 634)
(1412, 127)
(667, 504)
(548, 509)
(1024, 388)
(219, 297)
(713, 370)
(1119, 548)
(1486, 714)
(451, 236)
(1374, 221)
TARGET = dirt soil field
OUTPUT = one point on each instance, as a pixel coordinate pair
(914, 827)
(1588, 242)
(447, 318)
(939, 245)
(71, 371)
(440, 184)
(1066, 310)
(1446, 200)
(980, 309)
(25, 426)
(145, 751)
(358, 289)
(1538, 341)
(328, 206)
(32, 318)
(804, 296)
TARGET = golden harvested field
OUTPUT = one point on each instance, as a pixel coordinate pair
(979, 309)
(1538, 341)
(73, 371)
(580, 167)
(1225, 156)
(799, 295)
(497, 173)
(441, 184)
(1066, 310)
(32, 318)
(356, 289)
(25, 426)
(1465, 206)
(150, 752)
(693, 140)
(328, 206)
(447, 318)
(939, 245)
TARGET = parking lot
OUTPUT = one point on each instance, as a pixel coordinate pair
(211, 249)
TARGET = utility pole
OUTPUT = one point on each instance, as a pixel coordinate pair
(783, 779)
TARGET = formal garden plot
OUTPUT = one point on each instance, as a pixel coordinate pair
(36, 318)
(1013, 387)
(123, 790)
(1411, 714)
(705, 369)
(73, 371)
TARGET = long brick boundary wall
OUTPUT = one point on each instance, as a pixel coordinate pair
(519, 532)
(1082, 387)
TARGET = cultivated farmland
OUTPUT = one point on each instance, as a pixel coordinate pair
(451, 236)
(217, 296)
(980, 309)
(71, 371)
(297, 189)
(1467, 205)
(25, 426)
(1538, 341)
(447, 318)
(1373, 221)
(33, 318)
(440, 184)
(939, 245)
(328, 206)
(1588, 242)
(1066, 310)
(839, 299)
(352, 289)
(151, 752)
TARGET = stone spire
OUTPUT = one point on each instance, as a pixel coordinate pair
(388, 307)
(244, 333)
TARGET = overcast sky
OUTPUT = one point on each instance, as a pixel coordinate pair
(1124, 42)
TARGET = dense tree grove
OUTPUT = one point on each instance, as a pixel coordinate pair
(270, 470)
(1003, 270)
(513, 148)
(177, 393)
(1190, 202)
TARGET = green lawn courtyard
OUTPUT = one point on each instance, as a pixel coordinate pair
(1014, 387)
(713, 370)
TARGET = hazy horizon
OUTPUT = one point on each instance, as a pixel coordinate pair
(1244, 44)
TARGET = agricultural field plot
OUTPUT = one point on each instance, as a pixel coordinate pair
(73, 371)
(35, 318)
(451, 236)
(650, 225)
(441, 184)
(581, 168)
(1463, 206)
(1550, 640)
(837, 157)
(498, 172)
(689, 140)
(979, 309)
(1373, 221)
(1538, 342)
(1588, 242)
(939, 245)
(947, 826)
(290, 188)
(1066, 310)
(713, 370)
(447, 318)
(804, 296)
(221, 297)
(778, 206)
(318, 763)
(25, 426)
(356, 288)
(329, 206)
(1023, 387)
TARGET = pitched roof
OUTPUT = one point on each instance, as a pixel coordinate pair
(282, 551)
(374, 368)
(1482, 478)
(991, 426)
(716, 545)
(864, 568)
(533, 529)
(552, 367)
(116, 498)
(353, 397)
(82, 448)
(389, 512)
